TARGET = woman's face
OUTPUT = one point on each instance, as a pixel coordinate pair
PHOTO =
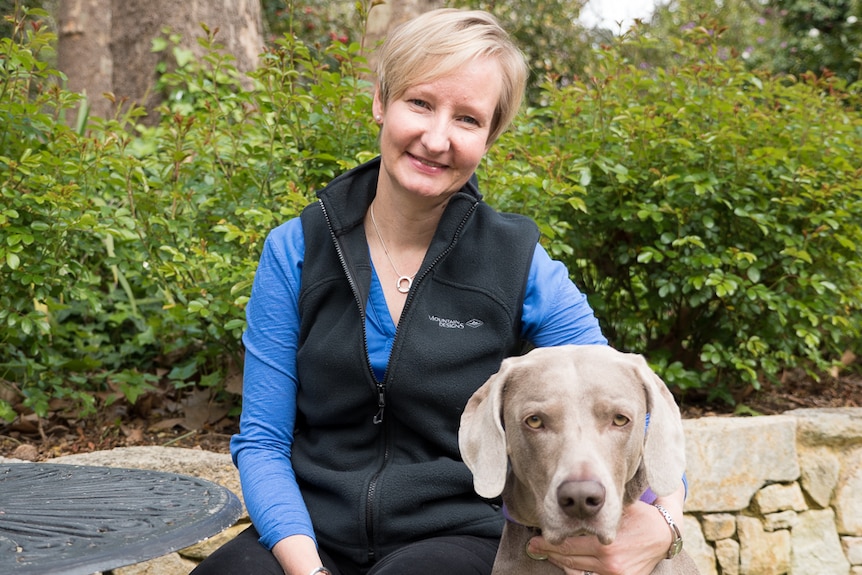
(434, 135)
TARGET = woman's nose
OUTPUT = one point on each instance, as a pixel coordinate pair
(436, 136)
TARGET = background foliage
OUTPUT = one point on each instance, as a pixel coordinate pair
(713, 213)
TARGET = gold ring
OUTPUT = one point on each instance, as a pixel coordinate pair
(535, 556)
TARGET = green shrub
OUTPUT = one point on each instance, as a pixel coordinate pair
(713, 215)
(127, 253)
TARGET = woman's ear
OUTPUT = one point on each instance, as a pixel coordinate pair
(377, 106)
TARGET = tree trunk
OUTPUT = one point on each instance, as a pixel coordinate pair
(131, 26)
(84, 50)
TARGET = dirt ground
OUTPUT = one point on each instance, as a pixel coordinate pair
(198, 419)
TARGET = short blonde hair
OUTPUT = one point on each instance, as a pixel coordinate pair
(437, 43)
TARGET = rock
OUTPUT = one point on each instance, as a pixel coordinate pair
(202, 550)
(838, 427)
(26, 452)
(171, 564)
(816, 546)
(727, 554)
(780, 520)
(696, 546)
(730, 459)
(762, 552)
(719, 526)
(848, 501)
(820, 470)
(779, 497)
(853, 549)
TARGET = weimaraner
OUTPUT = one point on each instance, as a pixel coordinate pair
(561, 433)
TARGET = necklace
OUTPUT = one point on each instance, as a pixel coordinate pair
(404, 282)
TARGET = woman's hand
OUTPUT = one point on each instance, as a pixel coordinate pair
(642, 541)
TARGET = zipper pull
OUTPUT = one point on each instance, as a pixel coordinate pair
(381, 405)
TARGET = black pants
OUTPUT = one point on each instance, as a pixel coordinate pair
(450, 555)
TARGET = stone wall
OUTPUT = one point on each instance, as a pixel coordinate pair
(769, 495)
(776, 495)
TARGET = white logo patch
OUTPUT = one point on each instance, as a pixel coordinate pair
(447, 323)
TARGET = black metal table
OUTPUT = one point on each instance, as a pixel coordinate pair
(77, 520)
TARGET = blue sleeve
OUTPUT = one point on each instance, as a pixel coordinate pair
(261, 450)
(555, 311)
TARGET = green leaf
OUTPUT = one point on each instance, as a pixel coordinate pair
(12, 260)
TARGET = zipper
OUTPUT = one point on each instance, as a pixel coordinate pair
(381, 389)
(359, 303)
(381, 386)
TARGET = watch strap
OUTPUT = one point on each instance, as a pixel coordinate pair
(676, 544)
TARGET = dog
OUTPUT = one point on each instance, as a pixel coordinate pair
(561, 433)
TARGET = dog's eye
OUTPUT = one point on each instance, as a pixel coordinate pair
(620, 420)
(534, 422)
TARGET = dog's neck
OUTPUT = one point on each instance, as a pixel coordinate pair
(511, 554)
(508, 517)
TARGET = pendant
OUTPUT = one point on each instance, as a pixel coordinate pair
(404, 283)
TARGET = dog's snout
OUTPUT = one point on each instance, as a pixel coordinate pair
(581, 499)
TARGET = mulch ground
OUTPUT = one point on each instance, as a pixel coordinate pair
(199, 419)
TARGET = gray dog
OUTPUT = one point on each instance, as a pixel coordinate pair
(561, 433)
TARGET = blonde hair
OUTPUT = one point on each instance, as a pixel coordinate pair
(437, 43)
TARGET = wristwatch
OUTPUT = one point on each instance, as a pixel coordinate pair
(676, 545)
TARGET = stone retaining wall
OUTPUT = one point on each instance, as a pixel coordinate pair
(769, 495)
(776, 495)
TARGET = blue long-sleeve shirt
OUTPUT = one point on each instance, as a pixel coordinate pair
(555, 312)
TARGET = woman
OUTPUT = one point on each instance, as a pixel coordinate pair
(376, 314)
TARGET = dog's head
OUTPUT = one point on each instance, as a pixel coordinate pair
(561, 433)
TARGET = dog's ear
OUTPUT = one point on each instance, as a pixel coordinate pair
(482, 439)
(664, 445)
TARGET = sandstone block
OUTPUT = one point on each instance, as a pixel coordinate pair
(848, 495)
(780, 520)
(852, 549)
(829, 426)
(762, 552)
(727, 554)
(730, 459)
(697, 547)
(780, 497)
(718, 526)
(171, 564)
(820, 469)
(202, 550)
(816, 546)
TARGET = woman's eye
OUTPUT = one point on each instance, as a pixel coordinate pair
(418, 102)
(470, 120)
(534, 422)
(620, 420)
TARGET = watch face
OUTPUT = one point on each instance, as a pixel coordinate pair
(675, 548)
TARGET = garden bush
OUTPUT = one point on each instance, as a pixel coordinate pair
(127, 253)
(711, 214)
(714, 215)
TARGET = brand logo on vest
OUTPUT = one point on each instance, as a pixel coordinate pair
(454, 323)
(447, 323)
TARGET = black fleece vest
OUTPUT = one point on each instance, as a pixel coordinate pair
(378, 462)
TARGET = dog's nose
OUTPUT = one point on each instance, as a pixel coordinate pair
(581, 499)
